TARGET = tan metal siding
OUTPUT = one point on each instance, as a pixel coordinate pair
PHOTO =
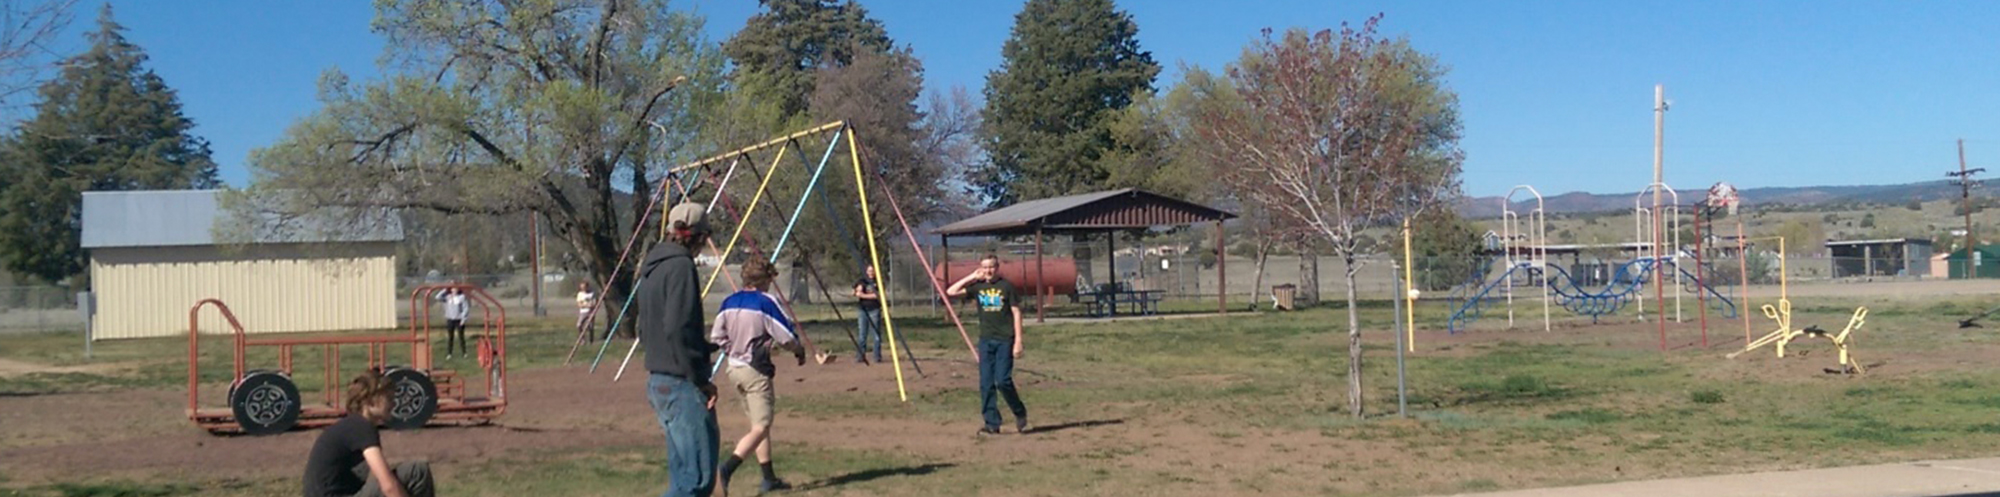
(146, 292)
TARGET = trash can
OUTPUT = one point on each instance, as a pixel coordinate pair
(1282, 297)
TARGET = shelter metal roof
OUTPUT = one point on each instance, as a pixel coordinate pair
(172, 218)
(1125, 208)
(1886, 241)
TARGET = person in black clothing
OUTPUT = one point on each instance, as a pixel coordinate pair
(348, 452)
(677, 353)
(999, 308)
(869, 297)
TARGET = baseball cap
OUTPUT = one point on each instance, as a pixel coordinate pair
(693, 215)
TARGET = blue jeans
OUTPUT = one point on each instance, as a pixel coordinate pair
(871, 329)
(691, 434)
(996, 374)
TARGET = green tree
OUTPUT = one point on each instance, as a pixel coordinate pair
(563, 108)
(106, 122)
(1152, 148)
(1066, 70)
(1445, 246)
(813, 61)
(780, 50)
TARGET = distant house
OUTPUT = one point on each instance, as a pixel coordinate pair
(154, 254)
(1884, 257)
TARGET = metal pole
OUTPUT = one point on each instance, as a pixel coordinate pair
(1743, 280)
(1659, 177)
(1659, 139)
(1700, 273)
(1402, 388)
(1410, 290)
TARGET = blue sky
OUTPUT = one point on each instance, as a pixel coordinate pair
(1555, 94)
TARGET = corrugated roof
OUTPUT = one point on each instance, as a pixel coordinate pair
(1885, 241)
(1123, 208)
(171, 218)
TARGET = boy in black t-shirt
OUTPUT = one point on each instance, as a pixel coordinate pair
(868, 297)
(351, 450)
(999, 310)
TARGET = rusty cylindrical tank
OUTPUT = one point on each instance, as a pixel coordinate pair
(1059, 274)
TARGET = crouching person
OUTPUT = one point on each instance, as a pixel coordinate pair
(348, 459)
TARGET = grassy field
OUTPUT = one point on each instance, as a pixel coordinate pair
(1255, 403)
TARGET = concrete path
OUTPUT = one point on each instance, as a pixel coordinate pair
(1959, 478)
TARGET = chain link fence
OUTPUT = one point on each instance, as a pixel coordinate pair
(38, 309)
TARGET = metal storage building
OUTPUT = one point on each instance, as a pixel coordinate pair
(153, 254)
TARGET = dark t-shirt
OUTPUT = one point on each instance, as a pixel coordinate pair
(330, 468)
(868, 285)
(994, 302)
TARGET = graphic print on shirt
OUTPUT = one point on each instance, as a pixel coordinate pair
(992, 300)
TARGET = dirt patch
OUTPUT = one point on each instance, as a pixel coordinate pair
(10, 367)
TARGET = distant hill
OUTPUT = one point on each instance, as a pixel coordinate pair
(1581, 202)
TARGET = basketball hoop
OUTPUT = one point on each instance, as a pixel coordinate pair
(1723, 196)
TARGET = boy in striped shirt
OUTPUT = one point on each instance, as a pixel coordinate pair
(750, 324)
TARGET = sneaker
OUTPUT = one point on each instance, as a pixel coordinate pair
(988, 430)
(1021, 425)
(773, 486)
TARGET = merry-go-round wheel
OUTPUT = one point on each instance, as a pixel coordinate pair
(265, 402)
(413, 398)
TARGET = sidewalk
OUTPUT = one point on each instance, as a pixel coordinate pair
(1959, 478)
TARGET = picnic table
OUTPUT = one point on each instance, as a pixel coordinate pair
(1106, 299)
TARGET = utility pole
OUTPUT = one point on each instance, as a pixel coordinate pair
(1965, 184)
(1659, 223)
(1659, 135)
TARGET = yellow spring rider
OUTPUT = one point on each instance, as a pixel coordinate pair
(1782, 313)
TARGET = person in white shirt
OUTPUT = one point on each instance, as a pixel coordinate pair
(456, 309)
(586, 312)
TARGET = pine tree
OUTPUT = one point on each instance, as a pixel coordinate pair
(1068, 67)
(781, 48)
(105, 123)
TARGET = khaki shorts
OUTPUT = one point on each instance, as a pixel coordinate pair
(755, 389)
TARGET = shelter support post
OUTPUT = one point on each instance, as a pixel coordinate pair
(1041, 285)
(1221, 271)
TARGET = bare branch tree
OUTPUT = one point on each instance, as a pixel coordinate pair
(28, 29)
(1332, 133)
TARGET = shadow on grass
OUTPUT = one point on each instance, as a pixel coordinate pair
(1077, 424)
(875, 474)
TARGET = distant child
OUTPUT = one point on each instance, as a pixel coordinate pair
(351, 450)
(586, 312)
(868, 296)
(750, 324)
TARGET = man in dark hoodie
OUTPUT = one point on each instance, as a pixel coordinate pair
(677, 353)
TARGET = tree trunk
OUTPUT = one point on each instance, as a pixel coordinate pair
(1257, 284)
(1312, 275)
(1353, 343)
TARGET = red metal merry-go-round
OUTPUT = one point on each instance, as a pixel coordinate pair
(266, 401)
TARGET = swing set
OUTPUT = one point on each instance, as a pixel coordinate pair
(700, 179)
